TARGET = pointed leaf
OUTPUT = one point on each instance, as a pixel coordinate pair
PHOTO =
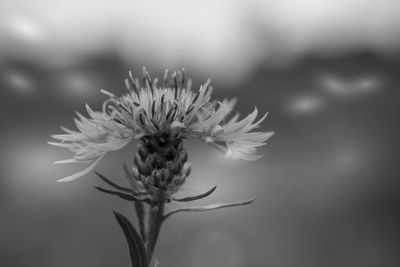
(209, 207)
(109, 182)
(137, 250)
(206, 194)
(122, 195)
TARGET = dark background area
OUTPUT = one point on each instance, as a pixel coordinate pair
(327, 190)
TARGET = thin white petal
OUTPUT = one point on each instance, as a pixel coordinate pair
(59, 144)
(81, 173)
(67, 130)
(66, 161)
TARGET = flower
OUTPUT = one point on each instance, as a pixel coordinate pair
(172, 112)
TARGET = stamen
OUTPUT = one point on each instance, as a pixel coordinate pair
(141, 119)
(133, 81)
(207, 84)
(107, 93)
(155, 125)
(173, 115)
(170, 112)
(183, 77)
(189, 110)
(175, 80)
(179, 78)
(189, 84)
(137, 83)
(124, 108)
(155, 82)
(196, 97)
(147, 79)
(107, 105)
(132, 111)
(165, 81)
(127, 85)
(118, 121)
(176, 94)
(153, 109)
(176, 87)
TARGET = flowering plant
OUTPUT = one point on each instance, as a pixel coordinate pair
(159, 118)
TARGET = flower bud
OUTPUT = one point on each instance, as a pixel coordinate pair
(135, 173)
(179, 180)
(187, 168)
(161, 163)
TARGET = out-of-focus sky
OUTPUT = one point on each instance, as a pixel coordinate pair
(326, 71)
(229, 38)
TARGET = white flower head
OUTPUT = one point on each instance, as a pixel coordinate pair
(154, 110)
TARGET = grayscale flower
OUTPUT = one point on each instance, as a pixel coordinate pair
(160, 117)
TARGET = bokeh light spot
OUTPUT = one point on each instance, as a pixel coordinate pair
(305, 105)
(346, 87)
(25, 28)
(18, 81)
(79, 85)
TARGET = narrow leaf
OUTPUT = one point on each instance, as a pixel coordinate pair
(206, 194)
(209, 207)
(122, 195)
(137, 250)
(109, 182)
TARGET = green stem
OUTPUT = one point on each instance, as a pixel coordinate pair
(155, 222)
(141, 216)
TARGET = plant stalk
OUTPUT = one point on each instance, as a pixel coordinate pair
(139, 208)
(154, 226)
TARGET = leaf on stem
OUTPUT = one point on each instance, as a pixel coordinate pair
(123, 195)
(206, 194)
(209, 207)
(109, 182)
(137, 250)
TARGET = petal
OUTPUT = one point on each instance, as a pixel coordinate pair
(67, 161)
(81, 173)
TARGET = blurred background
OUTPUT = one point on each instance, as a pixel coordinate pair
(327, 190)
